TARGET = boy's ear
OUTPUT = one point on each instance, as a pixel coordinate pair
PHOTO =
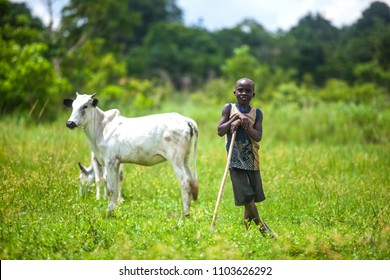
(68, 102)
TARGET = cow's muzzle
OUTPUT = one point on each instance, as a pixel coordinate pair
(71, 124)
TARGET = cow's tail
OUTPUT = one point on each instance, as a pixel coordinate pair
(194, 180)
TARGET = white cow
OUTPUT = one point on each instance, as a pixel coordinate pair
(87, 177)
(145, 140)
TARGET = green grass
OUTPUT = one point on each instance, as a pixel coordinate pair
(327, 186)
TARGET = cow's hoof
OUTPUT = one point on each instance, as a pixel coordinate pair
(194, 190)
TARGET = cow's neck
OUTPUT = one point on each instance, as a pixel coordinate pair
(94, 129)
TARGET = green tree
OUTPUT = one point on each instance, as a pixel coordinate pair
(28, 82)
(365, 40)
(261, 43)
(308, 48)
(244, 64)
(181, 51)
(121, 23)
(17, 23)
(372, 72)
(241, 64)
(90, 69)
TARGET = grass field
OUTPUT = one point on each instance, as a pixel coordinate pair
(326, 175)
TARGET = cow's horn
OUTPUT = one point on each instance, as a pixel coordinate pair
(93, 95)
(82, 168)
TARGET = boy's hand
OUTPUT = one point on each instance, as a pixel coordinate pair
(234, 125)
(244, 121)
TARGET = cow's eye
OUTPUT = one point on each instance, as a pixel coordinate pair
(85, 106)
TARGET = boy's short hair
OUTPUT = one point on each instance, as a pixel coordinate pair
(246, 80)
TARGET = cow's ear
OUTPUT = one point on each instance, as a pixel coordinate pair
(68, 102)
(95, 102)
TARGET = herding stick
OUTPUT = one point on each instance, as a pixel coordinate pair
(223, 181)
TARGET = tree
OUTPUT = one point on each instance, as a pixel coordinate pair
(181, 51)
(308, 47)
(241, 64)
(262, 45)
(121, 23)
(28, 82)
(244, 64)
(17, 23)
(91, 70)
(366, 40)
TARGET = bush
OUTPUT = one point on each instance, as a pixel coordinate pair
(29, 84)
(216, 91)
(134, 96)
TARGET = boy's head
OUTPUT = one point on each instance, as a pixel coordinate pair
(246, 86)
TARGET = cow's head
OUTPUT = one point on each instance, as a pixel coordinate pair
(82, 105)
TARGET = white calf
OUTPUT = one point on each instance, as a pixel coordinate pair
(88, 177)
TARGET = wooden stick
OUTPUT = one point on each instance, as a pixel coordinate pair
(223, 181)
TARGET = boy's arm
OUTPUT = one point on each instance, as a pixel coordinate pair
(256, 132)
(226, 124)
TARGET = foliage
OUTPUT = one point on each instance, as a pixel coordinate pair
(310, 45)
(243, 64)
(372, 72)
(28, 81)
(326, 185)
(100, 46)
(17, 23)
(364, 41)
(139, 95)
(119, 23)
(180, 51)
(89, 69)
(214, 92)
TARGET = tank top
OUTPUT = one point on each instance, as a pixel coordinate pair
(245, 150)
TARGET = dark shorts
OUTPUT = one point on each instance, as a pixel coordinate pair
(247, 186)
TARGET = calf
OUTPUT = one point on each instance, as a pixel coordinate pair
(87, 177)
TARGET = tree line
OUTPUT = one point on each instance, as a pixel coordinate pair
(134, 47)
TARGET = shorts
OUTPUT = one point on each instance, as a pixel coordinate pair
(247, 186)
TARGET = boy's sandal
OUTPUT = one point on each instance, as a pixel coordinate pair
(266, 231)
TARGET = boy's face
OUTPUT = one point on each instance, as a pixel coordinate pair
(244, 91)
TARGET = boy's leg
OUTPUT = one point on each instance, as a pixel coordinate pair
(251, 213)
(247, 219)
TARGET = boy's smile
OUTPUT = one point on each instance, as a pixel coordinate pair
(244, 97)
(244, 92)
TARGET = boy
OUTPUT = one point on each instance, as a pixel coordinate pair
(244, 165)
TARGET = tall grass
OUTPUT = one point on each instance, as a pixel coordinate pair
(325, 172)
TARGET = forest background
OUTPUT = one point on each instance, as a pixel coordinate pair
(139, 53)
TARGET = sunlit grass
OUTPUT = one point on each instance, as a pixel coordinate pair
(326, 199)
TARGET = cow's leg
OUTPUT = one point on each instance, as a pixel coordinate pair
(193, 180)
(112, 183)
(120, 179)
(98, 177)
(105, 182)
(185, 179)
